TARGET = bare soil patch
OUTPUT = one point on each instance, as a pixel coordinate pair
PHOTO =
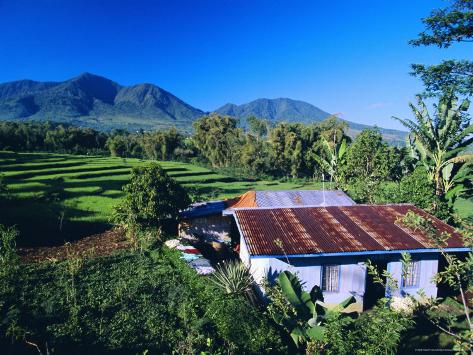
(102, 244)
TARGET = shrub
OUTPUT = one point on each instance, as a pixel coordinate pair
(243, 327)
(153, 200)
(378, 331)
(418, 188)
(131, 302)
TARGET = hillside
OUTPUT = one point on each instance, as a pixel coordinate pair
(284, 109)
(94, 101)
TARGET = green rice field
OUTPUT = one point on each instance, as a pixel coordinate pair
(56, 197)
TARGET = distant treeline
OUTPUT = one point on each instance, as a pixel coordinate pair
(367, 167)
(285, 150)
(61, 138)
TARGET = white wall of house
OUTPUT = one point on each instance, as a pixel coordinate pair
(352, 273)
(351, 281)
(428, 268)
(244, 254)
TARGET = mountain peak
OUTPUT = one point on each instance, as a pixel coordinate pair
(95, 101)
(87, 75)
(277, 109)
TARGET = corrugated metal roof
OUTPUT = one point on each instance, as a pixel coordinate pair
(315, 230)
(291, 198)
(201, 209)
(248, 199)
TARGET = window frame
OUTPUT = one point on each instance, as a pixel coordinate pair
(416, 276)
(323, 273)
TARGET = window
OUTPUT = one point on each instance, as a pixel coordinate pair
(330, 277)
(412, 273)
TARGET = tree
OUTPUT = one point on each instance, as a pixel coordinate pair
(443, 28)
(217, 138)
(254, 156)
(418, 189)
(257, 126)
(438, 142)
(291, 148)
(333, 129)
(161, 144)
(369, 162)
(118, 145)
(152, 200)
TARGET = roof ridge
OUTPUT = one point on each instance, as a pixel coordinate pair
(319, 206)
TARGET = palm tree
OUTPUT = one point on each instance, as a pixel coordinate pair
(439, 142)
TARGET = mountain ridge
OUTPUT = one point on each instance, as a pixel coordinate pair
(289, 110)
(95, 101)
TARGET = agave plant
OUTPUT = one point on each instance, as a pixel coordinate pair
(233, 277)
(311, 311)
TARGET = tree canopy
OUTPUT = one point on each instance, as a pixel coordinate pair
(443, 27)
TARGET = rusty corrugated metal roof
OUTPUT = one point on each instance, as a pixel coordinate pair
(248, 199)
(315, 230)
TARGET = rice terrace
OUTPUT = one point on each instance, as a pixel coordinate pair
(66, 197)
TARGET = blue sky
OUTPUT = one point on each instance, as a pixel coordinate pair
(348, 57)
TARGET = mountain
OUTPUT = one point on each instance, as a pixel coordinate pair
(283, 109)
(276, 110)
(97, 102)
(93, 101)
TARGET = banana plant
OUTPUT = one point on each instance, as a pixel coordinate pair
(334, 158)
(311, 313)
(440, 140)
(457, 182)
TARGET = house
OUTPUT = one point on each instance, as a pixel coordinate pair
(328, 246)
(214, 221)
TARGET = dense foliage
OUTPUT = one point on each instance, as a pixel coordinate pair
(61, 138)
(439, 143)
(130, 302)
(444, 27)
(368, 168)
(320, 330)
(30, 137)
(369, 163)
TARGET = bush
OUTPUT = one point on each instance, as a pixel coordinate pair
(244, 328)
(153, 200)
(417, 188)
(378, 331)
(131, 302)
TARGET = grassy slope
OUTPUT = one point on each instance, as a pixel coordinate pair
(91, 186)
(464, 208)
